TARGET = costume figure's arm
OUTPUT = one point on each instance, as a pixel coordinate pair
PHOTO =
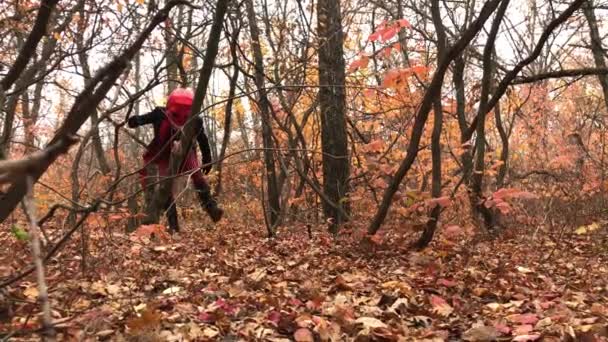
(203, 144)
(154, 116)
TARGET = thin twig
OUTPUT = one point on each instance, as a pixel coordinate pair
(48, 333)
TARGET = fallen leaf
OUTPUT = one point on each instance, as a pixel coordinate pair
(370, 322)
(440, 306)
(31, 292)
(524, 338)
(481, 334)
(528, 318)
(303, 335)
(523, 329)
(172, 290)
(523, 270)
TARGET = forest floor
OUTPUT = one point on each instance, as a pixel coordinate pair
(232, 284)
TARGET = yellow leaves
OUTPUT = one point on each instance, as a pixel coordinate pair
(31, 292)
(141, 2)
(582, 230)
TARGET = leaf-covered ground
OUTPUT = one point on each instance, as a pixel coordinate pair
(233, 284)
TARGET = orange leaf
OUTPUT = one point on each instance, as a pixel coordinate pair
(359, 63)
(419, 70)
(388, 33)
(375, 146)
(374, 36)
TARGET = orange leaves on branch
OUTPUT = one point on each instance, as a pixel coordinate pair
(396, 78)
(357, 64)
(375, 146)
(499, 198)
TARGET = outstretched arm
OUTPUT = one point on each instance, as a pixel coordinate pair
(203, 144)
(154, 116)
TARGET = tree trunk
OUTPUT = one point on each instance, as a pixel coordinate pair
(274, 208)
(228, 111)
(431, 225)
(332, 101)
(104, 166)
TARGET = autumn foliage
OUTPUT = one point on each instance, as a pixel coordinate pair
(389, 171)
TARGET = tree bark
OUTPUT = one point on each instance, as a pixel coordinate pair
(332, 102)
(274, 207)
(228, 110)
(431, 225)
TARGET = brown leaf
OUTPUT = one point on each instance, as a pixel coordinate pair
(481, 333)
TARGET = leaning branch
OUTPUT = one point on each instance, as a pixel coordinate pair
(561, 74)
(11, 170)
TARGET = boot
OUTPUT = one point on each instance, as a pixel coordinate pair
(210, 205)
(172, 216)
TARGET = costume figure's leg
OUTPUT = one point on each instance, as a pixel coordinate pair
(203, 190)
(169, 207)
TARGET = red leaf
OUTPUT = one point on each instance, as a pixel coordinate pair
(404, 23)
(374, 36)
(388, 33)
(274, 317)
(441, 306)
(295, 302)
(503, 328)
(206, 317)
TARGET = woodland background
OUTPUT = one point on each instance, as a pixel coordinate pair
(391, 170)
